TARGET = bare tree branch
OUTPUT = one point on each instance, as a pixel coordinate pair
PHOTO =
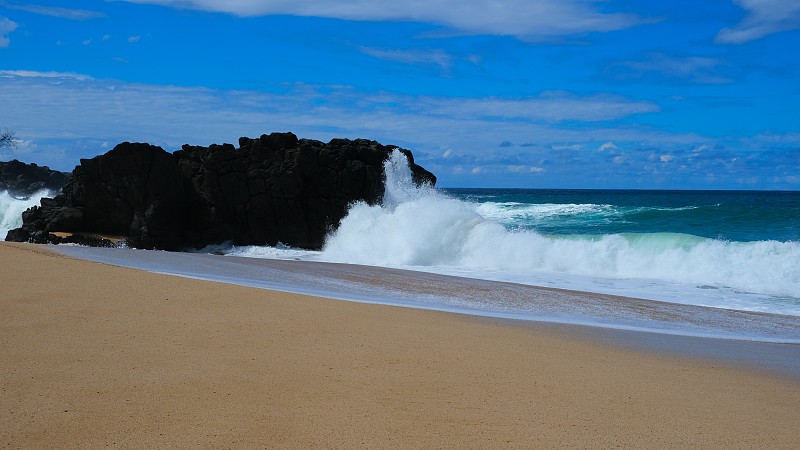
(7, 139)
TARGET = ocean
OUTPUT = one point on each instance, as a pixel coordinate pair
(735, 250)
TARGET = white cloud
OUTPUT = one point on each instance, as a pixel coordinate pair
(134, 39)
(549, 106)
(87, 41)
(666, 158)
(697, 69)
(22, 147)
(519, 168)
(475, 59)
(476, 170)
(764, 17)
(78, 113)
(775, 140)
(607, 146)
(436, 57)
(6, 27)
(36, 74)
(566, 147)
(619, 159)
(526, 19)
(447, 153)
(64, 13)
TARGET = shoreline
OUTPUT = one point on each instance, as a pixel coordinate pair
(98, 355)
(454, 294)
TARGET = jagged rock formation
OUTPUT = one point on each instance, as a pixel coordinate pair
(276, 188)
(24, 180)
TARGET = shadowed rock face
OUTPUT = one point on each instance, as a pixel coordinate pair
(276, 188)
(24, 180)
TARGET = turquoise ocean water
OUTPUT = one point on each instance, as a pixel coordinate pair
(743, 216)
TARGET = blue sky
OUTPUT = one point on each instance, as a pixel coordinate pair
(487, 93)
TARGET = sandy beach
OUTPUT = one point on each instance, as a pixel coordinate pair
(94, 355)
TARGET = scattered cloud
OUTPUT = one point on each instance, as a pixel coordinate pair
(70, 116)
(775, 140)
(764, 17)
(607, 146)
(87, 41)
(36, 74)
(6, 27)
(417, 57)
(549, 106)
(134, 39)
(53, 11)
(108, 110)
(475, 59)
(106, 37)
(525, 19)
(174, 115)
(695, 69)
(790, 179)
(566, 147)
(476, 170)
(521, 168)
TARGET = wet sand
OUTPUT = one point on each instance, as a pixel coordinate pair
(94, 355)
(424, 290)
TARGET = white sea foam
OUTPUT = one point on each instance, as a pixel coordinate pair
(11, 209)
(512, 212)
(280, 251)
(528, 215)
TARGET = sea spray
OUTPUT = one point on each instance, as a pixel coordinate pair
(414, 225)
(11, 209)
(425, 228)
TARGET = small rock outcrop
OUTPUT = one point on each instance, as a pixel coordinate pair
(24, 180)
(276, 188)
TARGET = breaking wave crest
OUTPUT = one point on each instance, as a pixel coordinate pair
(11, 209)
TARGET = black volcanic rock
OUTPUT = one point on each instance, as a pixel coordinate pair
(276, 188)
(24, 180)
(135, 190)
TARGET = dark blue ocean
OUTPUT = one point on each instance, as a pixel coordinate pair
(741, 216)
